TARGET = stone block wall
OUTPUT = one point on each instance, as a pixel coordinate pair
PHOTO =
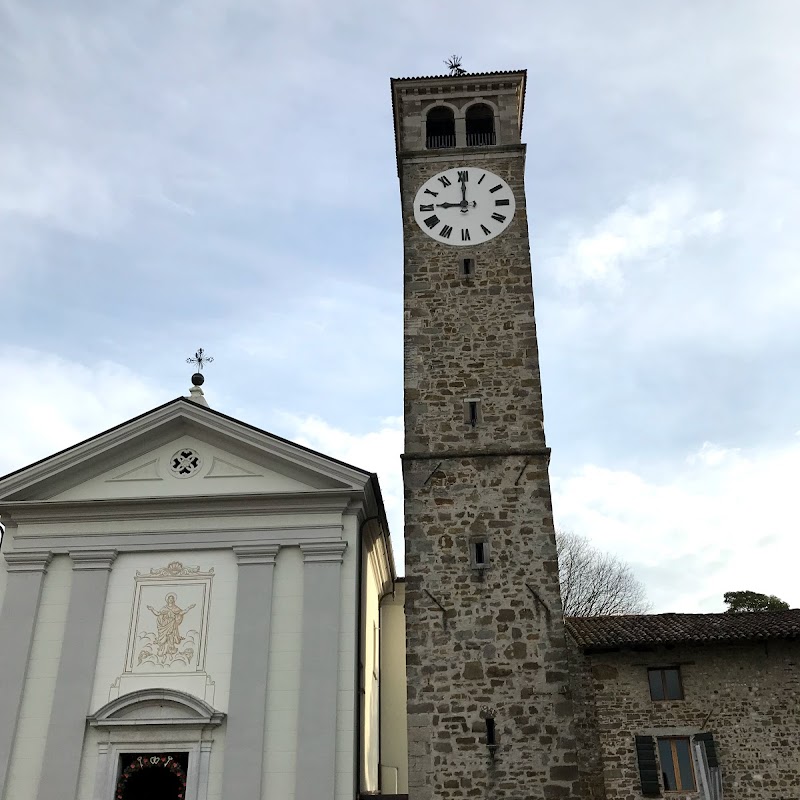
(498, 645)
(470, 336)
(747, 695)
(496, 642)
(481, 643)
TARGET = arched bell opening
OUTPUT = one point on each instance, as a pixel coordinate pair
(440, 128)
(479, 120)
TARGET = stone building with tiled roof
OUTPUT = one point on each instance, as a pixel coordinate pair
(687, 705)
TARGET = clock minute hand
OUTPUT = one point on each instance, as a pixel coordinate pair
(448, 205)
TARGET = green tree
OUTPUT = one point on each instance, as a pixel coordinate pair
(753, 601)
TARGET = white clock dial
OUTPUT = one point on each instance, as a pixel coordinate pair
(464, 206)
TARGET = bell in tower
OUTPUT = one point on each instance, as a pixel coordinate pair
(488, 710)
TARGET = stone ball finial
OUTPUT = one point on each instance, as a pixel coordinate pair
(198, 379)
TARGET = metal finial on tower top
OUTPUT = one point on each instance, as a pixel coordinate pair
(201, 359)
(454, 65)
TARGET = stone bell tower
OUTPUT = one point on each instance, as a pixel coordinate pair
(489, 713)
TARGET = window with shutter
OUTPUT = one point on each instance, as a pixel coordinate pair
(648, 767)
(711, 748)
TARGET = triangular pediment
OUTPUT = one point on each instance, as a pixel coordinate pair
(178, 450)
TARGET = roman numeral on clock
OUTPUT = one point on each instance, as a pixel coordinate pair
(465, 235)
(498, 217)
(432, 222)
(463, 175)
(425, 207)
(485, 230)
(428, 191)
(444, 180)
(446, 231)
(501, 202)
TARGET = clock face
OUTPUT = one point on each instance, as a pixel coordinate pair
(464, 206)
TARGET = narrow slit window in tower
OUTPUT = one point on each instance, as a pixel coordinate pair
(491, 735)
(472, 412)
(480, 125)
(440, 128)
(467, 267)
(479, 554)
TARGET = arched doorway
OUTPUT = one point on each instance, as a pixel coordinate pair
(159, 776)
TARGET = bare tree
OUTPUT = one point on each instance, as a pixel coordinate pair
(593, 582)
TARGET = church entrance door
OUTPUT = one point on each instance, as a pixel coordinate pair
(160, 776)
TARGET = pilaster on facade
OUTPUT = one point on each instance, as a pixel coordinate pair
(62, 752)
(316, 727)
(247, 704)
(256, 554)
(89, 560)
(26, 571)
(323, 552)
(28, 561)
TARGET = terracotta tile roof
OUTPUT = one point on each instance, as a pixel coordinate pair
(654, 629)
(465, 75)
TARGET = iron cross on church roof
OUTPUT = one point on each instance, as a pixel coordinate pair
(201, 359)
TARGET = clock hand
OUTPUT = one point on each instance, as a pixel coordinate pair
(462, 205)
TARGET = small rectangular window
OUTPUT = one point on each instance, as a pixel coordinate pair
(472, 412)
(677, 769)
(467, 267)
(665, 683)
(479, 553)
(491, 733)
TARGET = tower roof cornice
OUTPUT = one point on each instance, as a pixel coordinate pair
(467, 76)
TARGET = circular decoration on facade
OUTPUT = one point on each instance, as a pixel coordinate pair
(172, 775)
(185, 463)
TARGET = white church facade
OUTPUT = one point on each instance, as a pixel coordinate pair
(191, 608)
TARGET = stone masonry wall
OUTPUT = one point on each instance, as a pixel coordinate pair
(496, 644)
(746, 695)
(587, 728)
(468, 337)
(489, 641)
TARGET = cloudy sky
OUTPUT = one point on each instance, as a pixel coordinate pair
(220, 173)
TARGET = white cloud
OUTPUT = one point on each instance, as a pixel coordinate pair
(726, 520)
(713, 455)
(377, 451)
(50, 403)
(649, 225)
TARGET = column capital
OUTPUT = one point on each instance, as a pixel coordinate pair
(322, 552)
(28, 560)
(256, 553)
(92, 559)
